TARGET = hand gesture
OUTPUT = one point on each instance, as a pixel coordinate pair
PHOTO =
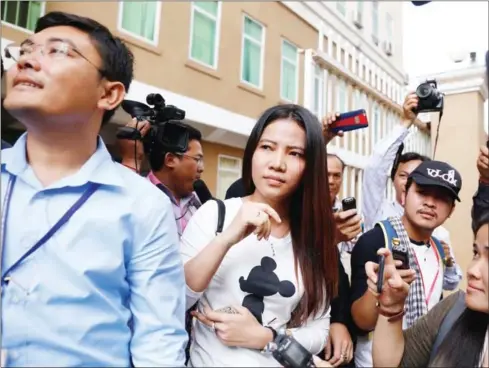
(348, 225)
(237, 329)
(252, 217)
(395, 287)
(483, 162)
(410, 103)
(132, 152)
(328, 120)
(339, 340)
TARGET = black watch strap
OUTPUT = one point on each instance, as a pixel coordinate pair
(274, 332)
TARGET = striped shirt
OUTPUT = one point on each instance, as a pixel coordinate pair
(183, 209)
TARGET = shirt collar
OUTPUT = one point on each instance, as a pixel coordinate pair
(192, 198)
(99, 168)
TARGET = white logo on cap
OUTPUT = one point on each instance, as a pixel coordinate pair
(449, 177)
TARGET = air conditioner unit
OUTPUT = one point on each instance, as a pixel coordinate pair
(388, 48)
(357, 19)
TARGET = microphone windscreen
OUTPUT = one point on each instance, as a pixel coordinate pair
(419, 3)
(202, 191)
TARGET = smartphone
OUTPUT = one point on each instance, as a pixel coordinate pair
(349, 203)
(400, 253)
(380, 275)
(350, 121)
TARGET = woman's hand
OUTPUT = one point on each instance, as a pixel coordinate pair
(328, 120)
(340, 340)
(396, 282)
(252, 217)
(318, 362)
(240, 329)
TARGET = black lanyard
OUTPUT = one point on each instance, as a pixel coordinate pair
(92, 187)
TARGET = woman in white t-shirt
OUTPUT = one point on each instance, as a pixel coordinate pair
(275, 265)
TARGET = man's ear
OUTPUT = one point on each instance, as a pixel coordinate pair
(451, 211)
(171, 160)
(112, 95)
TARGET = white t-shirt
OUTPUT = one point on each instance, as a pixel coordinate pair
(428, 265)
(259, 275)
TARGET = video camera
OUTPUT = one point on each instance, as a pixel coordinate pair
(430, 98)
(167, 134)
(290, 354)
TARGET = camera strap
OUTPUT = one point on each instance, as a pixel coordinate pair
(437, 134)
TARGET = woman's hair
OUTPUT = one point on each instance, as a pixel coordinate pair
(312, 224)
(464, 343)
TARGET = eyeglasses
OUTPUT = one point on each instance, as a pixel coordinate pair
(199, 160)
(55, 49)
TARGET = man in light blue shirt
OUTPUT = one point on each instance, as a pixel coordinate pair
(107, 288)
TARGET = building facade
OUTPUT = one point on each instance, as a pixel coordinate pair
(224, 63)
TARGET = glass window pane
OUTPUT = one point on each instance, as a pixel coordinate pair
(139, 18)
(251, 62)
(11, 13)
(253, 29)
(226, 178)
(229, 163)
(203, 39)
(289, 51)
(208, 6)
(288, 81)
(23, 12)
(34, 14)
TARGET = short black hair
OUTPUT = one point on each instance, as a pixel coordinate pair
(406, 157)
(481, 220)
(156, 158)
(117, 59)
(333, 155)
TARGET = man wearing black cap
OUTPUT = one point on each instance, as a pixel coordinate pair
(431, 191)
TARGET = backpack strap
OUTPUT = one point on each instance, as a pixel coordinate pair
(439, 246)
(447, 324)
(221, 215)
(390, 233)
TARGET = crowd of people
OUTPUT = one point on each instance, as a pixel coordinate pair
(104, 265)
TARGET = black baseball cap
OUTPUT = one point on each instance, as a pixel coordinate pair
(438, 174)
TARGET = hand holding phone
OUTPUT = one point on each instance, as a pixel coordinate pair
(349, 203)
(380, 274)
(348, 121)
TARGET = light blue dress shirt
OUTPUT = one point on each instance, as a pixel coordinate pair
(108, 287)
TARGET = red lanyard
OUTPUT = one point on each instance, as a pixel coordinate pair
(430, 292)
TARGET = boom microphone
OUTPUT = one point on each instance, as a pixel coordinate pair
(202, 191)
(419, 3)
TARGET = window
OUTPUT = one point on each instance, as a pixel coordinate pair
(341, 7)
(140, 19)
(375, 21)
(389, 24)
(341, 103)
(204, 32)
(319, 96)
(228, 171)
(376, 124)
(252, 52)
(289, 82)
(23, 14)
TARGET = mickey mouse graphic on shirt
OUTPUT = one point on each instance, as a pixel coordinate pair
(262, 281)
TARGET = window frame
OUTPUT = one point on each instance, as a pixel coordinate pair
(156, 30)
(389, 27)
(321, 97)
(22, 29)
(219, 169)
(282, 71)
(194, 8)
(341, 88)
(375, 20)
(262, 51)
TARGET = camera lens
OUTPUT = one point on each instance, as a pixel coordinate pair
(154, 99)
(424, 90)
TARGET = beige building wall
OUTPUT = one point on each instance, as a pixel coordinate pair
(460, 136)
(353, 49)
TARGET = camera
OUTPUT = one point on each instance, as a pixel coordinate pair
(167, 133)
(290, 354)
(430, 99)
